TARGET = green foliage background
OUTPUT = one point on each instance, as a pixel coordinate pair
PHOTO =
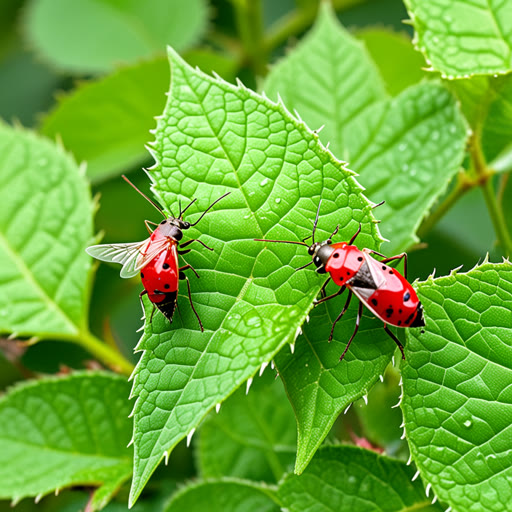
(266, 100)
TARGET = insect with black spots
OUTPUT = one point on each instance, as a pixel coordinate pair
(156, 258)
(381, 288)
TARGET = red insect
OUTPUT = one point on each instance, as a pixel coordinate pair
(156, 258)
(381, 288)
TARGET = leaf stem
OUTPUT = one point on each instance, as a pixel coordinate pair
(249, 21)
(462, 186)
(104, 353)
(484, 176)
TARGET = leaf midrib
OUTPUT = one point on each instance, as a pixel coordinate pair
(29, 276)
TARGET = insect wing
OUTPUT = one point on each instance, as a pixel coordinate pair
(133, 256)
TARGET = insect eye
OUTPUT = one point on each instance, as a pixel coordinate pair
(185, 225)
(163, 222)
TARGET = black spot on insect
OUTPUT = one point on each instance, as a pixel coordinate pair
(165, 266)
(374, 302)
(336, 255)
(163, 222)
(166, 286)
(360, 258)
(341, 278)
(390, 271)
(400, 311)
(389, 312)
(142, 275)
(383, 267)
(422, 331)
(409, 318)
(399, 322)
(407, 296)
(348, 273)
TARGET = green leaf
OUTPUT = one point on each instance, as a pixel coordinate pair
(463, 38)
(317, 384)
(107, 122)
(45, 225)
(406, 152)
(329, 78)
(400, 65)
(349, 478)
(94, 37)
(253, 436)
(224, 495)
(214, 137)
(457, 382)
(60, 432)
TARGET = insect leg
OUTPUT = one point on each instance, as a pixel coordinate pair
(184, 277)
(148, 222)
(358, 319)
(185, 267)
(188, 242)
(186, 251)
(339, 292)
(322, 290)
(354, 236)
(395, 339)
(345, 307)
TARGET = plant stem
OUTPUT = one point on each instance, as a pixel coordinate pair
(484, 176)
(497, 217)
(462, 186)
(104, 353)
(250, 28)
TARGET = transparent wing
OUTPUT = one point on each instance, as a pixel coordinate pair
(132, 256)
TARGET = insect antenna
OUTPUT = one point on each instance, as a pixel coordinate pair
(209, 207)
(281, 241)
(186, 207)
(316, 221)
(304, 266)
(144, 195)
(377, 205)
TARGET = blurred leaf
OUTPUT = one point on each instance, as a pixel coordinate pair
(45, 225)
(406, 151)
(400, 65)
(56, 433)
(26, 87)
(252, 436)
(457, 382)
(94, 37)
(108, 122)
(225, 495)
(487, 104)
(209, 61)
(322, 79)
(463, 38)
(350, 478)
(215, 137)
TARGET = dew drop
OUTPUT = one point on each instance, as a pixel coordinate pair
(278, 200)
(402, 147)
(468, 423)
(264, 182)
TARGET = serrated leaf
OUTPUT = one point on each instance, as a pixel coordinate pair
(457, 382)
(406, 152)
(400, 65)
(45, 225)
(60, 432)
(253, 436)
(401, 148)
(213, 138)
(94, 37)
(317, 384)
(463, 38)
(349, 478)
(322, 78)
(107, 122)
(224, 495)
